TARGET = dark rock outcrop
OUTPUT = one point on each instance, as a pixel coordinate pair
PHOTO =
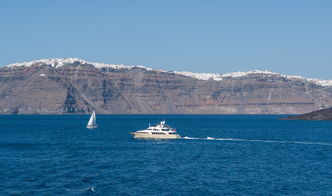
(59, 86)
(324, 114)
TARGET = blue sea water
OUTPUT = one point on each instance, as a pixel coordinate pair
(244, 155)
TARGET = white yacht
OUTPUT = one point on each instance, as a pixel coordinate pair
(160, 131)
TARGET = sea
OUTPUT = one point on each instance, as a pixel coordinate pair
(217, 155)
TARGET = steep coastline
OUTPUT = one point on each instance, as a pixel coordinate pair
(60, 86)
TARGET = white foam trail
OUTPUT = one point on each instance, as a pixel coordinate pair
(253, 140)
(191, 138)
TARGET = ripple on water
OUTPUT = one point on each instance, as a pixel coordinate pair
(221, 155)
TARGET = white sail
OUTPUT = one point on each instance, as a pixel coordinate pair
(92, 121)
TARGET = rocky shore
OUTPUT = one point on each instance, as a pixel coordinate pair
(325, 114)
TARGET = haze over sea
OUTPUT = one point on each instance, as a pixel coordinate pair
(244, 155)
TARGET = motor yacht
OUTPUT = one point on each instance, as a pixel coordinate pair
(160, 131)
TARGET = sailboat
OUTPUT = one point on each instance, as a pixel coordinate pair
(92, 122)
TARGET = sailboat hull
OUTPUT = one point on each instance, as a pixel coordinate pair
(91, 126)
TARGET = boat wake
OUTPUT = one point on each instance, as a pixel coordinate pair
(254, 140)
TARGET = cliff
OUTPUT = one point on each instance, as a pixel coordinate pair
(57, 86)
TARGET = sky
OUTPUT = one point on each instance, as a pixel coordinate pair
(289, 37)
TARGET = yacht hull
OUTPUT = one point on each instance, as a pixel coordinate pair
(152, 136)
(91, 126)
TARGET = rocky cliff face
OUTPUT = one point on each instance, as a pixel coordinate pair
(56, 86)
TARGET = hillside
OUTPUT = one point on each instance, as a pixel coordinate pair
(70, 85)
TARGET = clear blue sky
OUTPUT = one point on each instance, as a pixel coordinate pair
(286, 36)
